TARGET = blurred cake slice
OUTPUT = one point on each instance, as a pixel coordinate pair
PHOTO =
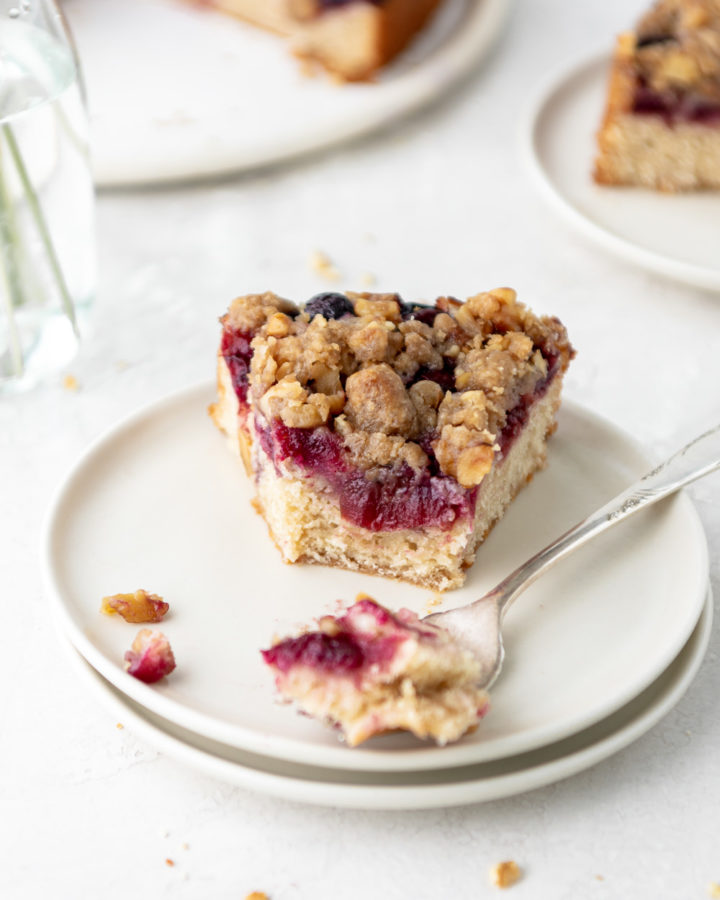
(383, 436)
(353, 39)
(370, 672)
(662, 121)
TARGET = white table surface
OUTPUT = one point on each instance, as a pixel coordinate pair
(439, 204)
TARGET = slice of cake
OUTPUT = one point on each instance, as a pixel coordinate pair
(383, 436)
(370, 671)
(662, 122)
(351, 38)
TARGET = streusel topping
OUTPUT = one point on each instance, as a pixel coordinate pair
(399, 381)
(677, 47)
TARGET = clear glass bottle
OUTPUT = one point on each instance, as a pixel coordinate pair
(47, 240)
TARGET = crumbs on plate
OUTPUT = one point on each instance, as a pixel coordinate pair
(323, 266)
(138, 607)
(150, 657)
(505, 874)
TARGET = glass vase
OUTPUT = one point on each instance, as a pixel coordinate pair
(47, 244)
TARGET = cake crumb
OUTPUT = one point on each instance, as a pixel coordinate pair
(434, 601)
(714, 889)
(184, 845)
(138, 607)
(119, 726)
(70, 383)
(257, 895)
(368, 279)
(599, 878)
(169, 862)
(505, 874)
(322, 265)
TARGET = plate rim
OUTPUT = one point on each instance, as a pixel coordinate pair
(657, 263)
(422, 795)
(457, 58)
(293, 749)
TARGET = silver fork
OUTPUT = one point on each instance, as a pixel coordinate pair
(479, 623)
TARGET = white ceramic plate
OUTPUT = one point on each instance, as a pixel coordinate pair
(677, 235)
(160, 503)
(179, 92)
(420, 789)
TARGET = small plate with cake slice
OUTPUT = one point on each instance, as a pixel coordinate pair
(384, 442)
(213, 87)
(627, 148)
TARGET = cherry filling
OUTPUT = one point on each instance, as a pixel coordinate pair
(236, 351)
(675, 108)
(339, 653)
(399, 498)
(356, 644)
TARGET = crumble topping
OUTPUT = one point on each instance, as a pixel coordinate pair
(677, 47)
(399, 381)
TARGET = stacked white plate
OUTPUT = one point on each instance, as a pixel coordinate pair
(675, 235)
(598, 650)
(203, 94)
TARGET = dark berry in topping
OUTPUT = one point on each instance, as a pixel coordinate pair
(419, 311)
(330, 305)
(649, 40)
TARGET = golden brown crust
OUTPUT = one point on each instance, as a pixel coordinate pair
(353, 41)
(620, 93)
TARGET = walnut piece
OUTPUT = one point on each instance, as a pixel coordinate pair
(505, 874)
(136, 607)
(377, 401)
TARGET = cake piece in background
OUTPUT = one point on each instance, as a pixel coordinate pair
(352, 39)
(370, 672)
(383, 436)
(662, 121)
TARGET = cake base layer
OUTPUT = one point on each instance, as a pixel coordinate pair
(352, 41)
(304, 519)
(643, 150)
(444, 714)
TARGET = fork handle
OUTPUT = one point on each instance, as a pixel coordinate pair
(698, 458)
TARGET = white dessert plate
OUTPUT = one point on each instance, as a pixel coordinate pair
(160, 503)
(418, 789)
(676, 235)
(178, 91)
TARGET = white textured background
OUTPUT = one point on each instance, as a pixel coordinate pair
(439, 204)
